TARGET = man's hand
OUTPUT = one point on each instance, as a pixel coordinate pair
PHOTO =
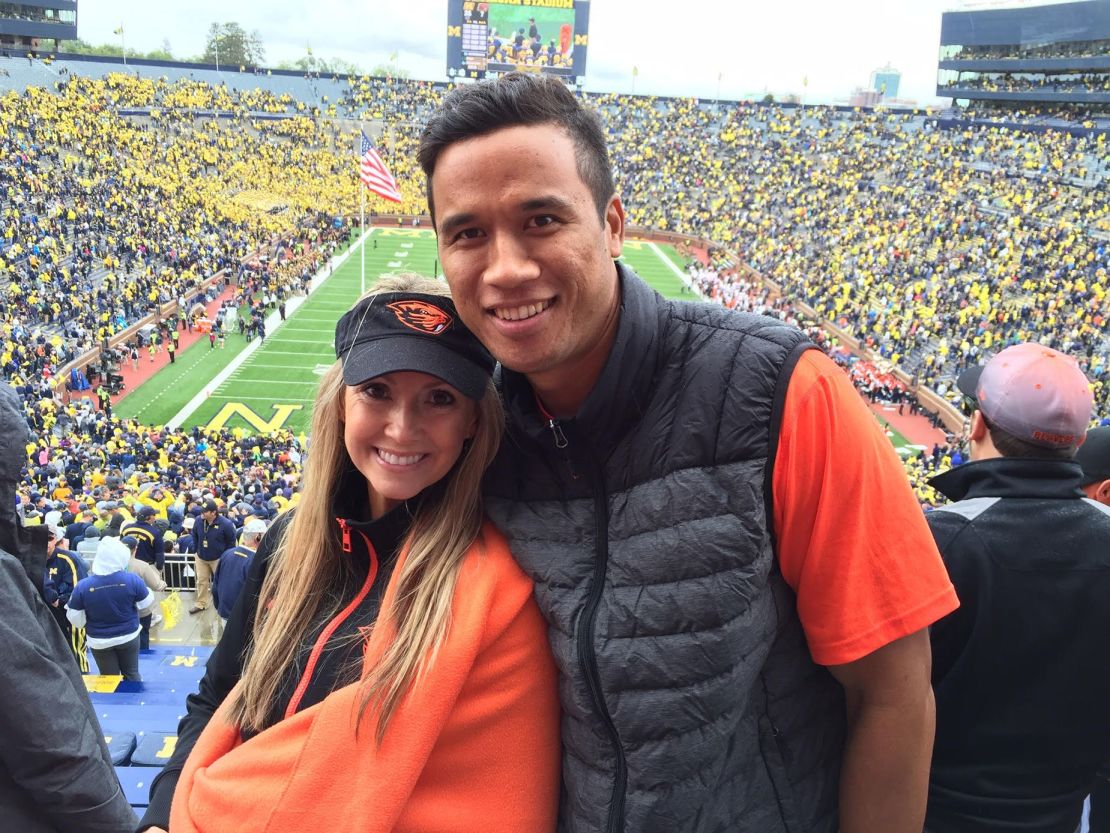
(891, 724)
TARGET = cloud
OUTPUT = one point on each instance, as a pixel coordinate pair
(835, 46)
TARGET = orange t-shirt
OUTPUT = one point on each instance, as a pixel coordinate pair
(852, 539)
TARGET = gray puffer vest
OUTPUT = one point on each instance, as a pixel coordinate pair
(690, 700)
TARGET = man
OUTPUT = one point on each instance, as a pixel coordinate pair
(215, 536)
(1094, 458)
(55, 770)
(1019, 672)
(232, 573)
(713, 519)
(186, 543)
(152, 578)
(148, 536)
(63, 570)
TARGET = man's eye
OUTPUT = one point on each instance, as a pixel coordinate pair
(468, 234)
(542, 220)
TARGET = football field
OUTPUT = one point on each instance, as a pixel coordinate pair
(273, 384)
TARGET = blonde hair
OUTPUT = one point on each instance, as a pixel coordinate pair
(446, 523)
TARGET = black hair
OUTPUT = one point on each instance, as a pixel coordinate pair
(514, 100)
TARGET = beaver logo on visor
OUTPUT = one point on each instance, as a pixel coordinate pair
(421, 316)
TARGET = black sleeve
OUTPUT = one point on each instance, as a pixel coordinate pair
(53, 750)
(222, 673)
(959, 546)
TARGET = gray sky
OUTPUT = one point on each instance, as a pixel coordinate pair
(772, 45)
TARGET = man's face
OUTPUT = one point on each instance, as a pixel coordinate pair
(529, 261)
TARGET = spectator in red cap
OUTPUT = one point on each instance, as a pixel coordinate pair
(1019, 673)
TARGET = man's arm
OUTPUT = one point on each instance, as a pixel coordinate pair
(891, 721)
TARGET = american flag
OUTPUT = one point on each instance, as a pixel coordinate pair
(375, 175)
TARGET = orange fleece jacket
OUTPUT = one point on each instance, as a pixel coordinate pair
(474, 746)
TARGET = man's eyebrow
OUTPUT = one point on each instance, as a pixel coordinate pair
(547, 201)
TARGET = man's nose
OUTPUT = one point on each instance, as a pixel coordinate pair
(510, 262)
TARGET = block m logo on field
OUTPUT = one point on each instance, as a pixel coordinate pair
(252, 418)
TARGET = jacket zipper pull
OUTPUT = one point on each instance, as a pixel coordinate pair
(346, 530)
(557, 430)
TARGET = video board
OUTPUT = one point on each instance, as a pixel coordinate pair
(497, 36)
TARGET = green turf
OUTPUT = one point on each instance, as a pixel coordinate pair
(276, 384)
(654, 264)
(902, 444)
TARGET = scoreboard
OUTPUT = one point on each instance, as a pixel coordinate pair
(498, 36)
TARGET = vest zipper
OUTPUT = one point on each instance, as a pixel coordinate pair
(557, 430)
(587, 655)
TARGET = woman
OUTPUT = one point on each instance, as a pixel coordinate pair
(396, 675)
(108, 604)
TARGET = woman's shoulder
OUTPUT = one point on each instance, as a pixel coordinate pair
(490, 579)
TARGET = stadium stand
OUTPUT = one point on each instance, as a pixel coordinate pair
(952, 238)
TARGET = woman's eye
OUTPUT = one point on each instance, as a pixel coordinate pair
(376, 391)
(441, 398)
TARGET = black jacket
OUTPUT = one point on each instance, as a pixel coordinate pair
(337, 662)
(55, 772)
(1020, 669)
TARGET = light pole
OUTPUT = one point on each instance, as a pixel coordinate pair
(122, 44)
(216, 40)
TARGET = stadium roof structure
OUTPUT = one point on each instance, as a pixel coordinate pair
(1033, 56)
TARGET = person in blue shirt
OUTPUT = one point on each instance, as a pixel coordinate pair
(213, 535)
(107, 604)
(228, 582)
(64, 570)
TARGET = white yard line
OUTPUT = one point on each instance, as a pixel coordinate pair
(273, 321)
(682, 276)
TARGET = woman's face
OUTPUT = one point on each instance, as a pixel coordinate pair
(404, 431)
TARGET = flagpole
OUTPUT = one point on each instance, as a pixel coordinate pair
(361, 218)
(362, 237)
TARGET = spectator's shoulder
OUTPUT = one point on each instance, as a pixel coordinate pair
(947, 522)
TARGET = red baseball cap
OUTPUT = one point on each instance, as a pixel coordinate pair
(1033, 392)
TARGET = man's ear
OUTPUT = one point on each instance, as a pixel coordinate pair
(614, 226)
(1102, 492)
(978, 427)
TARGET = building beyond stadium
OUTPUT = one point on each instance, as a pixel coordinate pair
(1027, 57)
(34, 24)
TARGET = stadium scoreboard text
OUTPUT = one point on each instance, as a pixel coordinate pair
(497, 36)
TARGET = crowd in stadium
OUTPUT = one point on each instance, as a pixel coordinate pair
(946, 245)
(1075, 49)
(1005, 82)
